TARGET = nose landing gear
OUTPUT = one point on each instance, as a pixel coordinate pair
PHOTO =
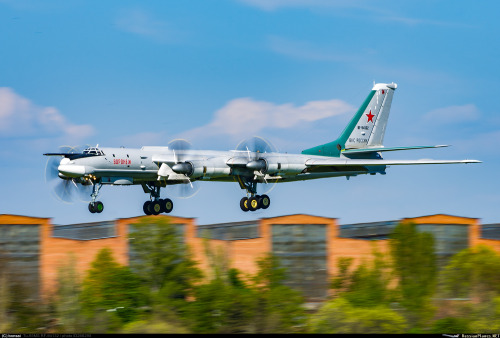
(96, 206)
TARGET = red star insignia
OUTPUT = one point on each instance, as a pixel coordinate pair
(370, 117)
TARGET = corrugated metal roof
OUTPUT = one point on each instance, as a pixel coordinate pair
(369, 231)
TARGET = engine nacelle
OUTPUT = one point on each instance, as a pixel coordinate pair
(206, 168)
(282, 165)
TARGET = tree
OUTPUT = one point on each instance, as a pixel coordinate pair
(221, 306)
(452, 324)
(20, 308)
(110, 290)
(163, 261)
(366, 285)
(155, 325)
(226, 304)
(340, 316)
(5, 320)
(473, 272)
(487, 316)
(230, 303)
(67, 298)
(279, 308)
(415, 267)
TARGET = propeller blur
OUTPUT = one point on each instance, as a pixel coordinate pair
(357, 151)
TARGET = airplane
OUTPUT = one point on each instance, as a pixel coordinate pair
(357, 151)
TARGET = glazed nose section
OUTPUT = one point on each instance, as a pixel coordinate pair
(69, 169)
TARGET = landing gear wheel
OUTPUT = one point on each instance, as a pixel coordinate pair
(264, 202)
(167, 205)
(244, 204)
(145, 208)
(155, 207)
(253, 203)
(96, 207)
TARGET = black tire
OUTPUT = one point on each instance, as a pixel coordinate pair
(155, 207)
(145, 208)
(91, 208)
(98, 207)
(167, 205)
(253, 203)
(264, 202)
(244, 204)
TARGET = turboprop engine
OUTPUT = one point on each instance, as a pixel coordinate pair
(202, 168)
(282, 165)
(268, 165)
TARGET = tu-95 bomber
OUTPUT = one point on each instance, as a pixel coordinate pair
(357, 151)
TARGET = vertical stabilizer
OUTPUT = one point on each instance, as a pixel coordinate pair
(367, 128)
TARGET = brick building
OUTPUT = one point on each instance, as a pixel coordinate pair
(308, 246)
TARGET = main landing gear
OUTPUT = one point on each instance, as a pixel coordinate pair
(96, 206)
(156, 205)
(255, 202)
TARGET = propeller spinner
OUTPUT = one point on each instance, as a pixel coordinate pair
(255, 146)
(181, 166)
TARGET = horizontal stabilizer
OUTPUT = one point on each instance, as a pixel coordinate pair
(337, 162)
(380, 149)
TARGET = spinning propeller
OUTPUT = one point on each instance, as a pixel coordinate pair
(65, 189)
(181, 166)
(255, 146)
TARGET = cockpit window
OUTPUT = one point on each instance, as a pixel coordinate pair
(93, 151)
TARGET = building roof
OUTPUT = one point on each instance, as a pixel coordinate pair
(301, 215)
(439, 215)
(20, 219)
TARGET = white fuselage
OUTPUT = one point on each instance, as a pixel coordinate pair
(134, 166)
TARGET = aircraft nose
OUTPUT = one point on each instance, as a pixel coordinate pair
(70, 169)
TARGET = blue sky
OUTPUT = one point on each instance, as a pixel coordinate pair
(137, 73)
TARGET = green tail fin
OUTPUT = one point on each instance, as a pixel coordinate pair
(367, 128)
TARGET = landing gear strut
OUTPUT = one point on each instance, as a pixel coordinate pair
(255, 201)
(96, 206)
(156, 205)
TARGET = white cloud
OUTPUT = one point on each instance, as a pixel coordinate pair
(142, 23)
(306, 50)
(19, 117)
(142, 139)
(243, 117)
(375, 12)
(453, 114)
(270, 5)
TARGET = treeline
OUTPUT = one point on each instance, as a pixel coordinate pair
(164, 291)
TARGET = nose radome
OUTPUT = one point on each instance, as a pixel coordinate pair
(71, 170)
